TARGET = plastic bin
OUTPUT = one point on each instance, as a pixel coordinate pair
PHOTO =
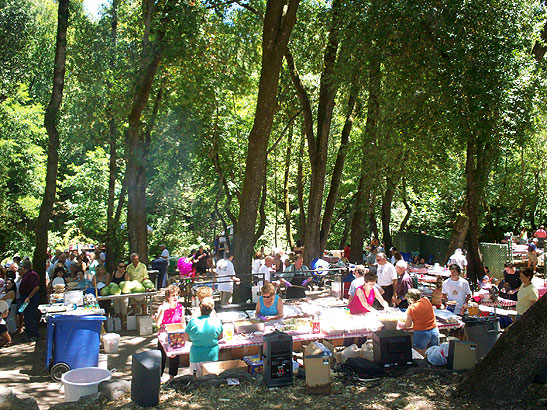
(111, 342)
(484, 331)
(84, 381)
(72, 342)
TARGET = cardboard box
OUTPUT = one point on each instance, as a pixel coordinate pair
(317, 361)
(175, 332)
(255, 364)
(219, 367)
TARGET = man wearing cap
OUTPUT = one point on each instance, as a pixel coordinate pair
(532, 254)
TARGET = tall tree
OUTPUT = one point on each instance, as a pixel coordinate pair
(318, 141)
(50, 122)
(279, 21)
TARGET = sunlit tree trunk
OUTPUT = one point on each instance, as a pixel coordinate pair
(279, 21)
(51, 119)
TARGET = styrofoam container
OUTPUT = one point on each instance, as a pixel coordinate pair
(111, 342)
(131, 322)
(145, 324)
(74, 296)
(83, 381)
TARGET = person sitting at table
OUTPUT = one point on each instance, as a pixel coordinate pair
(204, 332)
(528, 293)
(456, 289)
(511, 283)
(421, 318)
(58, 277)
(120, 305)
(139, 272)
(269, 305)
(365, 295)
(437, 295)
(296, 277)
(171, 311)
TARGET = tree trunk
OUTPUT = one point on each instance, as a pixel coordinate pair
(386, 211)
(362, 198)
(337, 171)
(475, 267)
(318, 145)
(111, 257)
(136, 150)
(261, 211)
(459, 232)
(372, 215)
(51, 119)
(286, 202)
(300, 191)
(516, 358)
(402, 227)
(279, 20)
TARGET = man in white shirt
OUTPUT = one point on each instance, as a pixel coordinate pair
(226, 276)
(387, 277)
(459, 259)
(456, 289)
(265, 270)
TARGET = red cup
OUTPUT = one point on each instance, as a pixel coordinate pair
(315, 326)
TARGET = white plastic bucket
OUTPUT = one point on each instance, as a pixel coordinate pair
(83, 381)
(111, 341)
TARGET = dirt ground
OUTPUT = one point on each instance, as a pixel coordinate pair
(22, 369)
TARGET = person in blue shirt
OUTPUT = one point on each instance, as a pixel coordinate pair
(204, 332)
(269, 305)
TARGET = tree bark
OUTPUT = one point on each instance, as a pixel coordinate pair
(475, 267)
(459, 232)
(136, 150)
(111, 256)
(300, 191)
(387, 200)
(404, 223)
(362, 199)
(51, 119)
(279, 21)
(286, 202)
(516, 358)
(337, 171)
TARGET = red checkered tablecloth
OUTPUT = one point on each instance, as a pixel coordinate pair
(499, 302)
(253, 340)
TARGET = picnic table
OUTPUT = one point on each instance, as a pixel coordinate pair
(248, 340)
(147, 295)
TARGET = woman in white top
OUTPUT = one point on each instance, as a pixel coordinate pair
(528, 293)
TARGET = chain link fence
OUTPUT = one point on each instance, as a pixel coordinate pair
(434, 248)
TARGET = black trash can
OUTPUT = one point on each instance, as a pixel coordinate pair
(277, 359)
(145, 378)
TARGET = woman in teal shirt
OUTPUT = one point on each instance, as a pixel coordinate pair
(204, 332)
(269, 305)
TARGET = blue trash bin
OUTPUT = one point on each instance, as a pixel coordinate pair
(72, 342)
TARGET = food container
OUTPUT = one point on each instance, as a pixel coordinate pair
(451, 305)
(74, 296)
(248, 326)
(473, 309)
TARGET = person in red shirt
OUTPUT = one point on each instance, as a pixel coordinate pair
(541, 234)
(420, 316)
(347, 251)
(29, 291)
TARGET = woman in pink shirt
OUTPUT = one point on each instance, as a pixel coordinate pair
(365, 296)
(170, 312)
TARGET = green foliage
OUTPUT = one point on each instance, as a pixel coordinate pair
(22, 170)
